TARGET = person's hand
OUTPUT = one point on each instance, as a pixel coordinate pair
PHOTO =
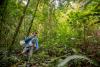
(19, 54)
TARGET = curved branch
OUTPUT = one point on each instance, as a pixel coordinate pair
(69, 58)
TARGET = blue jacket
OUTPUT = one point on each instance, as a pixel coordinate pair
(34, 40)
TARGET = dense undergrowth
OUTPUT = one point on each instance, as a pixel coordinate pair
(52, 56)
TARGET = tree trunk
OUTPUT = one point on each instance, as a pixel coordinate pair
(3, 16)
(18, 27)
(32, 19)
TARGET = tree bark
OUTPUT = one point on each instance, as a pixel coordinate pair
(32, 19)
(19, 25)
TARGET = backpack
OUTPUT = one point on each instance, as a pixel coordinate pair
(27, 40)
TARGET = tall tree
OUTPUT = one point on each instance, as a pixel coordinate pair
(33, 18)
(3, 16)
(19, 24)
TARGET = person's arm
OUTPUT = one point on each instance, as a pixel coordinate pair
(37, 46)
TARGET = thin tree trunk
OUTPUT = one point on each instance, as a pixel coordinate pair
(19, 25)
(32, 19)
(3, 16)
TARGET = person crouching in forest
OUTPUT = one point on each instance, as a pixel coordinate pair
(30, 43)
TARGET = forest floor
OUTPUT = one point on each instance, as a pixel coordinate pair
(52, 56)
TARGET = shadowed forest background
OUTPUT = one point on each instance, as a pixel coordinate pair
(65, 28)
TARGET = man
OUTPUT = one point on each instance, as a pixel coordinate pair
(30, 43)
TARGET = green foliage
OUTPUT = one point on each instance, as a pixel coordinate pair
(59, 28)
